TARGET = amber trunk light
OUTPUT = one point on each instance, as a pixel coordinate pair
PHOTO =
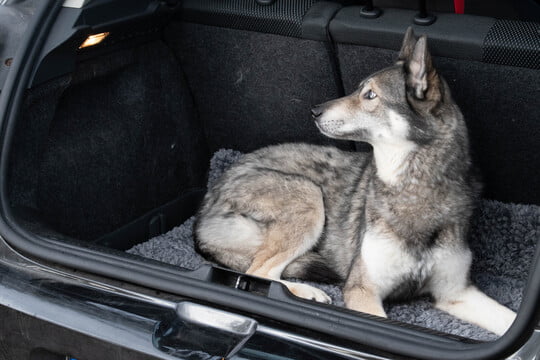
(94, 40)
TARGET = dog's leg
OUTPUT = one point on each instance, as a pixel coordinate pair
(472, 305)
(296, 224)
(360, 293)
(270, 261)
(364, 299)
(454, 294)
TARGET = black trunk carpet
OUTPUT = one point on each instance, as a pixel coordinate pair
(502, 238)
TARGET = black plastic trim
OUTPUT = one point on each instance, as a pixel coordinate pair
(324, 319)
(128, 21)
(282, 17)
(454, 36)
(315, 27)
(137, 231)
(316, 20)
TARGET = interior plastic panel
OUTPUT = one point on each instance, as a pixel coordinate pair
(316, 20)
(456, 36)
(282, 17)
(125, 19)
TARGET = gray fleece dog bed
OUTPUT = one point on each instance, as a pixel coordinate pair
(502, 238)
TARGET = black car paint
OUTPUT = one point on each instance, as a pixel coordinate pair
(68, 314)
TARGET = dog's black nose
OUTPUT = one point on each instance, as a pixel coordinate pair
(316, 111)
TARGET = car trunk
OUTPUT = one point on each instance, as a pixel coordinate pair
(113, 143)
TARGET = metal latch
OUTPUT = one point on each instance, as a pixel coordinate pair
(239, 281)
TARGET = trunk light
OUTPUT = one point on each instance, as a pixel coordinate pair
(94, 39)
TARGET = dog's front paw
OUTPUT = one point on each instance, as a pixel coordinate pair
(474, 306)
(307, 292)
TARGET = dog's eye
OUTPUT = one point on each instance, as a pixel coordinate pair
(370, 95)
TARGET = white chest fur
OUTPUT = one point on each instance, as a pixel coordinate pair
(389, 264)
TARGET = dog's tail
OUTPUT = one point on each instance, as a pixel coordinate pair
(312, 267)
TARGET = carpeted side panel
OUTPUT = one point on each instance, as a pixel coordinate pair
(254, 89)
(500, 105)
(120, 143)
(28, 143)
(503, 238)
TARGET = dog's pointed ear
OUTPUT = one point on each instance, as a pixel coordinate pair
(407, 47)
(421, 73)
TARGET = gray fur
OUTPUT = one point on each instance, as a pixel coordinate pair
(322, 167)
(349, 183)
(502, 237)
(392, 223)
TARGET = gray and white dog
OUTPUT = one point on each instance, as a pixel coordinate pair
(391, 223)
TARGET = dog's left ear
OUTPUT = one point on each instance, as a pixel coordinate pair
(407, 47)
(422, 78)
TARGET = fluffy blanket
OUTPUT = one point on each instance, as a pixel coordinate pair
(502, 238)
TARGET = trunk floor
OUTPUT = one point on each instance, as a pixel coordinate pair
(502, 238)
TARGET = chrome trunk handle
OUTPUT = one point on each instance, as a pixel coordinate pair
(203, 329)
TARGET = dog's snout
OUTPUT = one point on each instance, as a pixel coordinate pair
(316, 111)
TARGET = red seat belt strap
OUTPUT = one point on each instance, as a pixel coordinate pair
(459, 6)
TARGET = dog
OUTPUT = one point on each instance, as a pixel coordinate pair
(389, 224)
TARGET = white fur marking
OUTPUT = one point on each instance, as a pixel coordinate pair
(307, 292)
(450, 274)
(236, 232)
(391, 148)
(476, 307)
(387, 263)
(449, 286)
(333, 117)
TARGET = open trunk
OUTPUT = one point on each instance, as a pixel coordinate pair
(113, 143)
